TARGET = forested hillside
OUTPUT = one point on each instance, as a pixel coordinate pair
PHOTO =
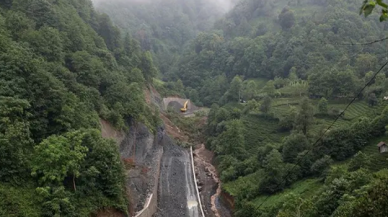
(62, 67)
(297, 89)
(300, 40)
(279, 76)
(164, 26)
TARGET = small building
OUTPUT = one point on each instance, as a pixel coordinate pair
(382, 147)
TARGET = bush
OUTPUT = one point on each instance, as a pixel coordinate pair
(321, 165)
(360, 160)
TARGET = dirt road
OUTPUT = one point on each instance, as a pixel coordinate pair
(177, 194)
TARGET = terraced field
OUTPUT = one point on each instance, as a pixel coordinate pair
(250, 181)
(304, 188)
(378, 161)
(261, 130)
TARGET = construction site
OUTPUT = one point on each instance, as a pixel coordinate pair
(164, 179)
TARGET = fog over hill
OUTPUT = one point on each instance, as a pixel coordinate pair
(164, 27)
(225, 5)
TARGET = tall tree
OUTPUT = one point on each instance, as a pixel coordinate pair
(58, 157)
(305, 117)
(232, 141)
(293, 145)
(234, 92)
(322, 105)
(15, 141)
(286, 18)
(266, 104)
(274, 170)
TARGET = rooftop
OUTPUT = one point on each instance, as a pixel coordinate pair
(381, 144)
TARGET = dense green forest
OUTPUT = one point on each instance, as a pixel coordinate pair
(277, 75)
(287, 42)
(164, 27)
(62, 67)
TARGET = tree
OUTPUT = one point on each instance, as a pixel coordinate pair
(274, 171)
(147, 67)
(57, 202)
(179, 85)
(296, 206)
(58, 157)
(305, 160)
(47, 42)
(322, 106)
(292, 76)
(368, 7)
(329, 199)
(359, 160)
(371, 201)
(365, 63)
(266, 104)
(321, 165)
(250, 90)
(249, 106)
(286, 19)
(304, 119)
(372, 99)
(232, 141)
(234, 92)
(293, 145)
(269, 88)
(15, 141)
(287, 121)
(102, 170)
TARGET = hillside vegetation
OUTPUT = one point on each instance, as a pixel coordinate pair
(278, 76)
(62, 67)
(164, 27)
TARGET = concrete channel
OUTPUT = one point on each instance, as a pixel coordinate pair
(178, 194)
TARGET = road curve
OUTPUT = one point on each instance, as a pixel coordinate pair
(177, 193)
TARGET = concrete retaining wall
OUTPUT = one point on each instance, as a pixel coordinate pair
(151, 204)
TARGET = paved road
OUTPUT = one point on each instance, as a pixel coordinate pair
(177, 194)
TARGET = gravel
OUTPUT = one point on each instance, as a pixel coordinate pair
(176, 185)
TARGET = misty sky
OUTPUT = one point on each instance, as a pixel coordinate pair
(226, 5)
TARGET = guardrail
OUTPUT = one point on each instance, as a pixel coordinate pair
(195, 181)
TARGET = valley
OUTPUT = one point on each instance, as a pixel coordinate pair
(194, 108)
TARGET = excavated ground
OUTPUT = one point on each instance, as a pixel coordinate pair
(177, 195)
(209, 183)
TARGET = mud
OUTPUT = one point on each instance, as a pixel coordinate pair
(210, 184)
